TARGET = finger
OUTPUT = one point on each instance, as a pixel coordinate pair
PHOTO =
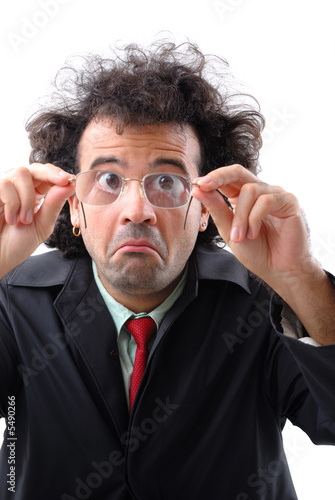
(23, 184)
(49, 174)
(233, 175)
(249, 194)
(23, 189)
(10, 201)
(279, 204)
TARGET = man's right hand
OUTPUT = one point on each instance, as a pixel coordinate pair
(24, 226)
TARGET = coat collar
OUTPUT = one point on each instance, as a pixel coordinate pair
(50, 269)
(46, 269)
(220, 265)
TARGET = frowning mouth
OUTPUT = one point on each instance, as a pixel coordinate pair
(137, 246)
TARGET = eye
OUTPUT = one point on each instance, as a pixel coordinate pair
(109, 181)
(166, 182)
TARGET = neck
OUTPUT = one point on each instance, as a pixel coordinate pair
(140, 301)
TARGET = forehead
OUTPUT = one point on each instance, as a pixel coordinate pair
(149, 145)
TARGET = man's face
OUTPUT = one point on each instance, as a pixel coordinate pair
(140, 250)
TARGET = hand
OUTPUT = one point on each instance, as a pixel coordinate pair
(30, 201)
(267, 231)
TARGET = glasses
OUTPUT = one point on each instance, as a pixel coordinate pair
(161, 190)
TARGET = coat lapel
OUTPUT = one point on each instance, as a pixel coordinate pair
(92, 341)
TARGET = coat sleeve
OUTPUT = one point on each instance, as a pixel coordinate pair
(311, 386)
(10, 379)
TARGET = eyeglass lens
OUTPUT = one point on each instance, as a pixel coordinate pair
(164, 190)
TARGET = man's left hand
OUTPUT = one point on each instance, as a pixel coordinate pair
(267, 231)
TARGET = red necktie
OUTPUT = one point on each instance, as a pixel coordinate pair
(142, 329)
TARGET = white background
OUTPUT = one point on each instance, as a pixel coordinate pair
(283, 53)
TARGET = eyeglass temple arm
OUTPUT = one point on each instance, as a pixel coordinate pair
(71, 181)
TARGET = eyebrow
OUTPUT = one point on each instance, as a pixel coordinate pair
(170, 161)
(154, 164)
(102, 160)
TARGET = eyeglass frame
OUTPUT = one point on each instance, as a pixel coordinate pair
(127, 179)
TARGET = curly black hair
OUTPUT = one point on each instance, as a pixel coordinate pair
(138, 86)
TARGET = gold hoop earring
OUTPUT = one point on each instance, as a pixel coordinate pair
(76, 231)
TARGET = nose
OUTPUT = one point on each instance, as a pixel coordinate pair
(133, 205)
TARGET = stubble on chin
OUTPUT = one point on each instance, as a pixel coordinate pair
(134, 274)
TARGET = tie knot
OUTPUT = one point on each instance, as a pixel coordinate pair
(142, 329)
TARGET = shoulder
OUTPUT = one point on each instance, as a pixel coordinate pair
(220, 265)
(46, 269)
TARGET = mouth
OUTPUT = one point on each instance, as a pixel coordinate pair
(137, 246)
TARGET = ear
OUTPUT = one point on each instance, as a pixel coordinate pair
(203, 219)
(74, 210)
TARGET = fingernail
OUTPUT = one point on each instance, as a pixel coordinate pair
(205, 181)
(235, 234)
(62, 173)
(29, 217)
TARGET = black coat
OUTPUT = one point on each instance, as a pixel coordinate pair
(206, 425)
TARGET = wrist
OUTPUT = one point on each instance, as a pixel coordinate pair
(298, 283)
(311, 296)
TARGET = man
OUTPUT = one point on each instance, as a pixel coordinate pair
(158, 168)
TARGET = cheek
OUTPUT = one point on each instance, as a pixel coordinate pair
(179, 235)
(96, 224)
(192, 221)
(94, 216)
